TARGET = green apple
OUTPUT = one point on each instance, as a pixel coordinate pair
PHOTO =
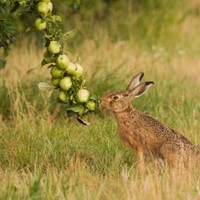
(56, 73)
(54, 47)
(62, 61)
(79, 70)
(43, 8)
(81, 110)
(50, 6)
(82, 95)
(65, 83)
(63, 97)
(55, 81)
(91, 105)
(40, 24)
(71, 68)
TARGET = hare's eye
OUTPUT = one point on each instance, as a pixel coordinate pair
(115, 97)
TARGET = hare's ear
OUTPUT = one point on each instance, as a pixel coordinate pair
(135, 81)
(140, 89)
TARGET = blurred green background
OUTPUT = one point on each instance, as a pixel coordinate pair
(147, 22)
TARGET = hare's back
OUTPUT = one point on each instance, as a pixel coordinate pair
(152, 127)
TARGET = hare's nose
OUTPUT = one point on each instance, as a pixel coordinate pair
(100, 102)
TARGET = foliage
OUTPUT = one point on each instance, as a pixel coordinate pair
(67, 76)
(9, 9)
(55, 41)
(7, 29)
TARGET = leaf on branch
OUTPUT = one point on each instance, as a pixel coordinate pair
(48, 59)
(49, 93)
(15, 7)
(77, 109)
(47, 40)
(44, 62)
(56, 18)
(43, 86)
(93, 97)
(70, 34)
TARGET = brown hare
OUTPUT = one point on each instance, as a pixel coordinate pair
(144, 134)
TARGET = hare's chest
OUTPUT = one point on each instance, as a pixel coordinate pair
(133, 141)
(127, 133)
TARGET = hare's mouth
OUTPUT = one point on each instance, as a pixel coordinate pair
(104, 104)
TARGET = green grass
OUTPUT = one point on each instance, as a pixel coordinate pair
(45, 155)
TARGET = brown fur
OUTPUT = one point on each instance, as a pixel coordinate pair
(144, 134)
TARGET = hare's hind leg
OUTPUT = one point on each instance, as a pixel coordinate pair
(170, 155)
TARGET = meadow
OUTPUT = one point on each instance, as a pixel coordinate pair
(45, 155)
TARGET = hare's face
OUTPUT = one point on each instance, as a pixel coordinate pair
(119, 101)
(116, 102)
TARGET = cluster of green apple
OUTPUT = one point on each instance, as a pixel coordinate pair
(44, 8)
(67, 77)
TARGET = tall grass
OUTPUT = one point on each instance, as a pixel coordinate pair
(45, 155)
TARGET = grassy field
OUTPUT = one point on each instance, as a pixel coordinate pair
(45, 155)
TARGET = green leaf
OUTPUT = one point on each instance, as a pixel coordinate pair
(77, 109)
(56, 18)
(49, 93)
(43, 86)
(16, 6)
(48, 58)
(44, 62)
(93, 97)
(48, 37)
(70, 34)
